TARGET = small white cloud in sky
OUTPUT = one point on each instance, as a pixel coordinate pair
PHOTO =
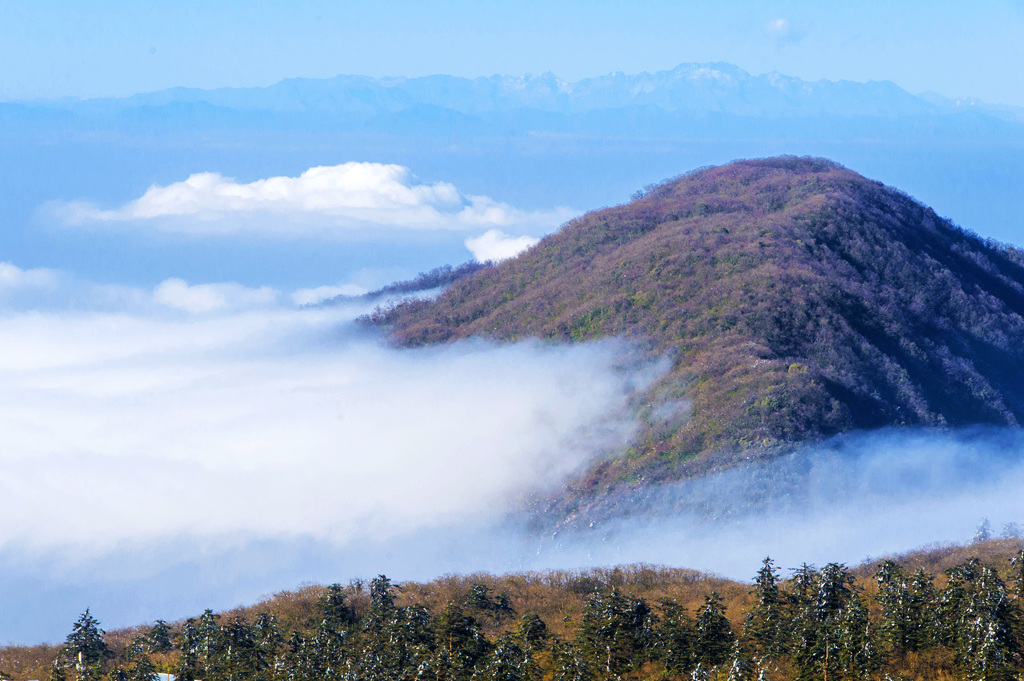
(13, 277)
(784, 32)
(495, 245)
(201, 298)
(312, 296)
(323, 201)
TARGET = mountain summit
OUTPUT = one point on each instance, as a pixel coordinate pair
(796, 298)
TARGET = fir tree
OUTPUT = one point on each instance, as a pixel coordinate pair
(740, 668)
(615, 631)
(712, 631)
(765, 624)
(507, 662)
(142, 669)
(496, 609)
(1017, 572)
(979, 622)
(460, 635)
(159, 637)
(676, 639)
(85, 643)
(532, 631)
(337, 613)
(570, 664)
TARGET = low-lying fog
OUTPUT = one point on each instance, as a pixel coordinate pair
(163, 453)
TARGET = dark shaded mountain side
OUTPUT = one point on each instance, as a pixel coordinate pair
(796, 298)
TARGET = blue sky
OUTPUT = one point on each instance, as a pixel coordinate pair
(87, 49)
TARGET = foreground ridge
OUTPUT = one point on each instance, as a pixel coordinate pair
(884, 619)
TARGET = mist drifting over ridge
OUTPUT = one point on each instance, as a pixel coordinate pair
(168, 461)
(213, 429)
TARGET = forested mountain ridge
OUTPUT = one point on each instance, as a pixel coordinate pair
(949, 612)
(796, 298)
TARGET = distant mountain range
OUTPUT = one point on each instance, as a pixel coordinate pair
(795, 298)
(715, 88)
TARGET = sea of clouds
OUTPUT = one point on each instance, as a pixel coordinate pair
(217, 415)
(202, 445)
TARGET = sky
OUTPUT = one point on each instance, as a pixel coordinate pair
(116, 48)
(166, 373)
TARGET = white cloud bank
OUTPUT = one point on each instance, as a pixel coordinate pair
(204, 444)
(495, 246)
(323, 201)
(53, 291)
(273, 422)
(13, 278)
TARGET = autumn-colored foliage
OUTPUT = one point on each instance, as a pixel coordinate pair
(952, 612)
(795, 298)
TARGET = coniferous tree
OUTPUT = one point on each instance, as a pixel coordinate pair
(740, 668)
(713, 631)
(979, 622)
(1012, 530)
(209, 639)
(57, 670)
(86, 646)
(462, 639)
(858, 656)
(898, 626)
(507, 662)
(159, 637)
(616, 631)
(802, 586)
(570, 664)
(142, 669)
(676, 639)
(702, 673)
(907, 609)
(984, 531)
(832, 634)
(237, 657)
(531, 631)
(495, 609)
(816, 627)
(337, 612)
(1017, 572)
(765, 625)
(189, 668)
(395, 641)
(437, 666)
(314, 658)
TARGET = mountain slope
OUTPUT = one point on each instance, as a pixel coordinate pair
(796, 298)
